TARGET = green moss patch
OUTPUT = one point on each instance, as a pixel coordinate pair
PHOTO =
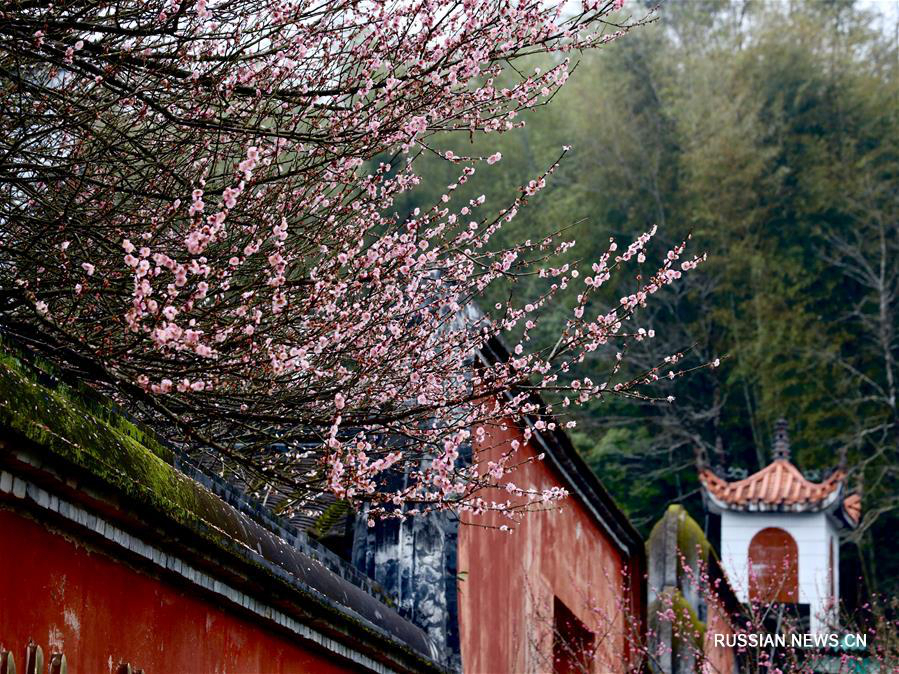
(77, 427)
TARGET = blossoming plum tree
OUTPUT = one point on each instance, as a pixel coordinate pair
(196, 218)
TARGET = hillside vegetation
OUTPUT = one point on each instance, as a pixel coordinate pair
(770, 133)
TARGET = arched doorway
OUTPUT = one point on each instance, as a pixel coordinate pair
(773, 567)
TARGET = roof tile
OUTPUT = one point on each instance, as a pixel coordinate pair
(852, 504)
(778, 484)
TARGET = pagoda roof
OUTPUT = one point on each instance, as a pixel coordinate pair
(780, 486)
(852, 506)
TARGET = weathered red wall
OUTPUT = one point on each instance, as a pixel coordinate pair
(506, 595)
(100, 611)
(718, 658)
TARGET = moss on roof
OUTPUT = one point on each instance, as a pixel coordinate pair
(690, 538)
(74, 424)
(96, 437)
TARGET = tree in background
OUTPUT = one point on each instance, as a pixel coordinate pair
(191, 222)
(769, 131)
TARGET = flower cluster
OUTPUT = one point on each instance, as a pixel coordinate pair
(200, 203)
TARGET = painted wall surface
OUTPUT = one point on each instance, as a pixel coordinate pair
(414, 561)
(831, 596)
(719, 659)
(99, 611)
(509, 581)
(813, 534)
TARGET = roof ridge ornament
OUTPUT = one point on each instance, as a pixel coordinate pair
(781, 446)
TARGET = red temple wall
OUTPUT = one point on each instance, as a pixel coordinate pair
(719, 658)
(509, 581)
(100, 611)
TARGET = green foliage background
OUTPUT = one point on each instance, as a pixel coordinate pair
(770, 132)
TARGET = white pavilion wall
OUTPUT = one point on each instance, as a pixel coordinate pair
(813, 533)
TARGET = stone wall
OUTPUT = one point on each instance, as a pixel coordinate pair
(414, 562)
(678, 556)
